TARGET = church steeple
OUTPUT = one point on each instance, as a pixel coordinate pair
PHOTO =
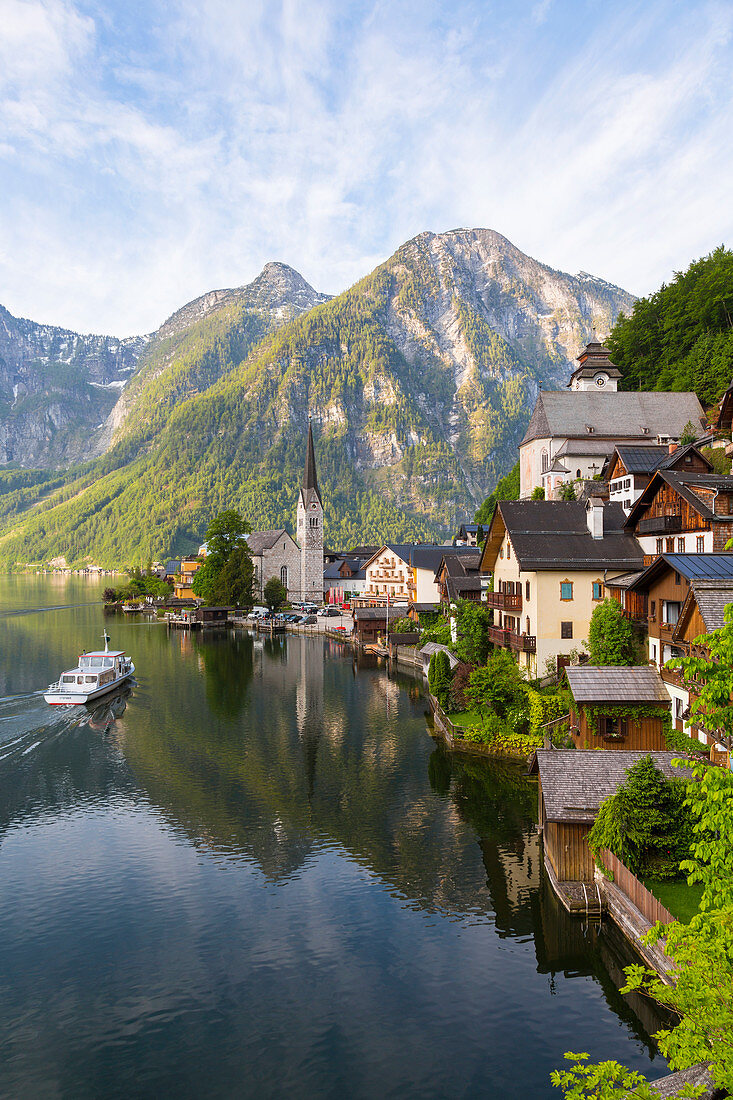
(310, 477)
(595, 370)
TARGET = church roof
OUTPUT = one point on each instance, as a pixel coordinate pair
(310, 477)
(616, 416)
(265, 540)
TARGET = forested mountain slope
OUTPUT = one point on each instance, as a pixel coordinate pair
(420, 380)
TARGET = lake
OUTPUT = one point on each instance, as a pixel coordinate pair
(256, 875)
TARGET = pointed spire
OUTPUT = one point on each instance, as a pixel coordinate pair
(310, 478)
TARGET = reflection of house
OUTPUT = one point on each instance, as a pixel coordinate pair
(683, 513)
(182, 589)
(458, 576)
(550, 561)
(275, 554)
(575, 431)
(656, 598)
(613, 690)
(572, 786)
(631, 468)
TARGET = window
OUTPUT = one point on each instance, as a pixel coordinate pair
(597, 590)
(670, 546)
(577, 473)
(527, 625)
(679, 707)
(545, 462)
(670, 612)
(612, 727)
(680, 546)
(284, 576)
(566, 590)
(700, 544)
(654, 653)
(508, 551)
(501, 553)
(566, 630)
(660, 546)
(652, 610)
(526, 590)
(677, 578)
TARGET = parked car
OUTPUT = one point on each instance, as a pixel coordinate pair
(334, 612)
(308, 620)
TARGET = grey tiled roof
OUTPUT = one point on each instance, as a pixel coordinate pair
(596, 684)
(576, 781)
(432, 647)
(553, 534)
(265, 540)
(612, 415)
(712, 598)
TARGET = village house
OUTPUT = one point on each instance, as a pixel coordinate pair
(683, 513)
(550, 561)
(572, 786)
(617, 707)
(343, 578)
(572, 433)
(275, 554)
(470, 534)
(630, 468)
(369, 623)
(405, 572)
(182, 589)
(459, 577)
(699, 584)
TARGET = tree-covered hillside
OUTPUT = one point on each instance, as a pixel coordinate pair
(681, 338)
(420, 380)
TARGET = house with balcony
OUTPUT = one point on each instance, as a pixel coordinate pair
(550, 561)
(405, 572)
(458, 576)
(656, 598)
(183, 587)
(631, 467)
(683, 513)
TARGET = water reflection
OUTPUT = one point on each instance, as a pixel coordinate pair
(265, 821)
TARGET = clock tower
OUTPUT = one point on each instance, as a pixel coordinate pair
(310, 529)
(595, 370)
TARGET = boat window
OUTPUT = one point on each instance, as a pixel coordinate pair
(90, 679)
(108, 662)
(67, 679)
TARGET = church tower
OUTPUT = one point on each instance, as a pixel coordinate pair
(595, 371)
(310, 529)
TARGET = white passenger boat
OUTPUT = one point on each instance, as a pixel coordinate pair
(98, 672)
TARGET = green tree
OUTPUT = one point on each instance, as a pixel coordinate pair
(712, 681)
(700, 997)
(275, 594)
(472, 625)
(234, 584)
(538, 493)
(566, 490)
(610, 635)
(221, 580)
(499, 685)
(507, 488)
(439, 678)
(689, 433)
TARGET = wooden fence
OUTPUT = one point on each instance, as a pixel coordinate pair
(558, 727)
(635, 890)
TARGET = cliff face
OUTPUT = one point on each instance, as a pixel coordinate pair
(420, 380)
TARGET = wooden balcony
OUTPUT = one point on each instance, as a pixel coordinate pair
(672, 676)
(659, 525)
(498, 637)
(666, 630)
(522, 643)
(504, 601)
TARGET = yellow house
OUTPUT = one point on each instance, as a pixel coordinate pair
(549, 561)
(182, 589)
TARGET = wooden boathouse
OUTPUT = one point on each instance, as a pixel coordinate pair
(618, 707)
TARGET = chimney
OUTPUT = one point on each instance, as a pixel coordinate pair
(594, 515)
(672, 448)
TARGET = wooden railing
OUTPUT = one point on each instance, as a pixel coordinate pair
(550, 730)
(659, 525)
(505, 601)
(635, 890)
(526, 643)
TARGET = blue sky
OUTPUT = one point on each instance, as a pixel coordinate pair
(152, 151)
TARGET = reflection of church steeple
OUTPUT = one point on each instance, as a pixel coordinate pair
(309, 708)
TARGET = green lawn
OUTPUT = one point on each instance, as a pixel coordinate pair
(466, 718)
(681, 900)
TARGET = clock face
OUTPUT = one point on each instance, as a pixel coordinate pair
(600, 379)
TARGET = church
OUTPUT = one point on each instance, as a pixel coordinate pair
(572, 432)
(297, 565)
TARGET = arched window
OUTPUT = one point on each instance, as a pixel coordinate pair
(284, 576)
(577, 473)
(545, 461)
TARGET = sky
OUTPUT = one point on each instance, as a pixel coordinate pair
(152, 151)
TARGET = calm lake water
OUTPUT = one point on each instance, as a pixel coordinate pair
(258, 876)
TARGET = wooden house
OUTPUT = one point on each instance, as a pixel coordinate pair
(572, 786)
(370, 622)
(214, 616)
(458, 576)
(683, 513)
(632, 466)
(600, 696)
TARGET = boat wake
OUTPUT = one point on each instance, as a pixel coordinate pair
(27, 723)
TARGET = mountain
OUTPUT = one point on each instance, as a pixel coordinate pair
(55, 387)
(420, 380)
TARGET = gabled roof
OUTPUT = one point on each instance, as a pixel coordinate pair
(421, 555)
(553, 534)
(712, 596)
(596, 684)
(434, 647)
(639, 459)
(575, 782)
(684, 485)
(265, 540)
(690, 566)
(614, 416)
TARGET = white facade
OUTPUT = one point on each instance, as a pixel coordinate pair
(695, 542)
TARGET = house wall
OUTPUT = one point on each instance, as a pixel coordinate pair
(646, 734)
(427, 589)
(530, 464)
(566, 847)
(684, 543)
(386, 574)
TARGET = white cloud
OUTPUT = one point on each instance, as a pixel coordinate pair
(141, 166)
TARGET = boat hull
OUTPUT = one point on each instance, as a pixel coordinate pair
(78, 698)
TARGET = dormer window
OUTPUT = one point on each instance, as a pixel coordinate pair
(645, 431)
(590, 429)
